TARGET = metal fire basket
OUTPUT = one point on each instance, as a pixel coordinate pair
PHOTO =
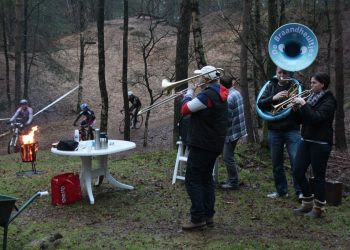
(7, 205)
(28, 154)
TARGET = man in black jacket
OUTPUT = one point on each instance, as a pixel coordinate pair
(281, 132)
(205, 138)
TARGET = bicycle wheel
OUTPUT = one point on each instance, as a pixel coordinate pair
(121, 126)
(13, 145)
(139, 121)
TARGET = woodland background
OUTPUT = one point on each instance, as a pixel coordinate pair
(110, 47)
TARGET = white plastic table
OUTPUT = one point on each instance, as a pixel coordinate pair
(86, 152)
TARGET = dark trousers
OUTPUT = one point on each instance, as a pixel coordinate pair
(200, 184)
(317, 155)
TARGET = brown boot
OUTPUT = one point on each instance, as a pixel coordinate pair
(318, 209)
(193, 226)
(306, 205)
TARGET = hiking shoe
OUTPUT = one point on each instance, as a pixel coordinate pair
(275, 195)
(229, 186)
(193, 226)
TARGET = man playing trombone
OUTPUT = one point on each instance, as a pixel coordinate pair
(205, 138)
(281, 132)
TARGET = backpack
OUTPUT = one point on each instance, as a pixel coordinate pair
(67, 145)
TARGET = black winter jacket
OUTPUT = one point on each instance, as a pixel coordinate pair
(208, 127)
(265, 104)
(317, 121)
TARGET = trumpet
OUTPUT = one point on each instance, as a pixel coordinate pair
(167, 85)
(289, 102)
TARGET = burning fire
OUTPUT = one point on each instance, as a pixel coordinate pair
(29, 138)
(29, 147)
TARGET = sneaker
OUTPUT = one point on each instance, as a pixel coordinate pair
(275, 195)
(229, 186)
(193, 226)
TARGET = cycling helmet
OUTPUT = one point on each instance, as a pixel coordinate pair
(23, 101)
(130, 93)
(84, 106)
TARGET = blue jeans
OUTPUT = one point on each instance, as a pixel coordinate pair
(200, 184)
(277, 140)
(229, 159)
(317, 155)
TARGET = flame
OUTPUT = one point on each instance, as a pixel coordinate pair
(29, 138)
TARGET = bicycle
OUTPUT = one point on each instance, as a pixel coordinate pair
(14, 144)
(86, 134)
(138, 124)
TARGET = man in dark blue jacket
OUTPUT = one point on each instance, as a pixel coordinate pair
(281, 132)
(205, 138)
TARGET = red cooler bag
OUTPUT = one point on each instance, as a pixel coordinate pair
(65, 189)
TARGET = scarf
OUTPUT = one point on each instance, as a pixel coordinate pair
(315, 97)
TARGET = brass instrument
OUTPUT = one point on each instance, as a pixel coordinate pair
(289, 102)
(167, 85)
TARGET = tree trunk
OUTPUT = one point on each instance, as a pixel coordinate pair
(244, 70)
(340, 139)
(329, 42)
(258, 79)
(181, 60)
(271, 67)
(18, 50)
(82, 52)
(282, 13)
(101, 65)
(125, 73)
(7, 65)
(25, 55)
(197, 35)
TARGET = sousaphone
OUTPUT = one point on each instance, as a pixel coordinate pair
(292, 47)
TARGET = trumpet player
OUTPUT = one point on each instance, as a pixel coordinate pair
(205, 138)
(316, 117)
(280, 133)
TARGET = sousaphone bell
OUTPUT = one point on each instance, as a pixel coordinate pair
(292, 47)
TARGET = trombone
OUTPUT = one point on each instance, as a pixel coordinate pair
(289, 102)
(167, 85)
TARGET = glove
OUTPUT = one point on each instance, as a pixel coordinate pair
(74, 124)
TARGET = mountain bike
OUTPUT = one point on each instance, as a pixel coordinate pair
(14, 144)
(138, 124)
(86, 133)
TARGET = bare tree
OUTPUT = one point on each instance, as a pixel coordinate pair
(101, 65)
(82, 42)
(125, 73)
(7, 74)
(329, 32)
(181, 60)
(340, 139)
(244, 71)
(148, 45)
(197, 35)
(18, 50)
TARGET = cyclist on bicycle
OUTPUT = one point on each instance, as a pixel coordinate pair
(90, 119)
(25, 113)
(135, 106)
